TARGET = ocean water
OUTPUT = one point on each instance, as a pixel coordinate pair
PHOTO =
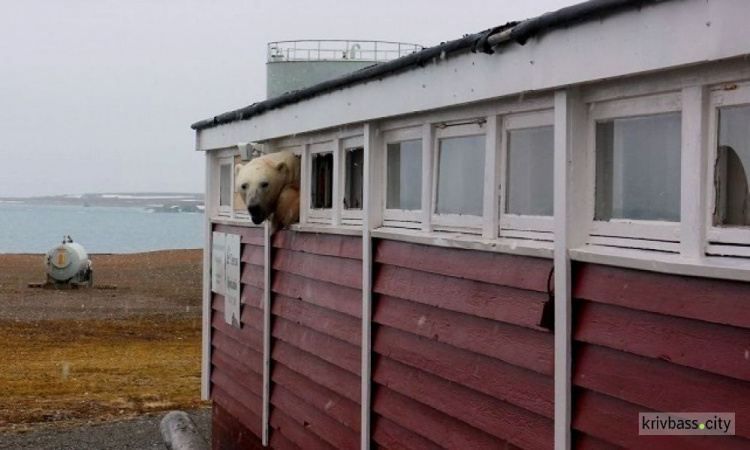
(37, 228)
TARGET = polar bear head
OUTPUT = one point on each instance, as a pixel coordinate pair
(260, 182)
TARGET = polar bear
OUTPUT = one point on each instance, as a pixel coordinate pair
(269, 186)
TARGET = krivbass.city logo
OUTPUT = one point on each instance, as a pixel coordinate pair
(673, 423)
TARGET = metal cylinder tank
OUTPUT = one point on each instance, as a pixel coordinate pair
(68, 262)
(294, 65)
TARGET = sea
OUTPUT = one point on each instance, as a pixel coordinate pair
(26, 228)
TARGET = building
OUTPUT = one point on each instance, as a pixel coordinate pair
(522, 238)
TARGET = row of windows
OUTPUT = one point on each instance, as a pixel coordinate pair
(637, 161)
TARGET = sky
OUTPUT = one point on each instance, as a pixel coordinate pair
(98, 95)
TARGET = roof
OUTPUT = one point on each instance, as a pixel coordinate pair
(485, 42)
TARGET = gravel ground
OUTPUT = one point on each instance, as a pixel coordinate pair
(139, 433)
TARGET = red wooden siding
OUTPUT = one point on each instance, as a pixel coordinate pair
(237, 354)
(462, 360)
(316, 328)
(649, 342)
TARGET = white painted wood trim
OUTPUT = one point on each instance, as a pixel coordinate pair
(633, 107)
(528, 223)
(266, 333)
(208, 211)
(372, 209)
(326, 229)
(693, 171)
(644, 244)
(428, 142)
(729, 235)
(565, 109)
(338, 182)
(637, 229)
(491, 175)
(304, 184)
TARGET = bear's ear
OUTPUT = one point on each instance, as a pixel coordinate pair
(281, 166)
(237, 169)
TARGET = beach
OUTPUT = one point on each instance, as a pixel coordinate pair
(129, 346)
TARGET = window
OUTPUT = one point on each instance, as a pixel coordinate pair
(225, 188)
(733, 167)
(355, 161)
(530, 171)
(321, 182)
(460, 175)
(404, 175)
(638, 168)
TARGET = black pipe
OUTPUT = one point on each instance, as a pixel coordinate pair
(520, 33)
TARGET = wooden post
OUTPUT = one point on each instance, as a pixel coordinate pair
(266, 332)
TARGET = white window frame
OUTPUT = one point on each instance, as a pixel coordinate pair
(456, 222)
(401, 218)
(726, 240)
(347, 216)
(221, 160)
(629, 233)
(517, 225)
(324, 215)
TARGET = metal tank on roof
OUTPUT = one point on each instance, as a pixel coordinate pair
(294, 65)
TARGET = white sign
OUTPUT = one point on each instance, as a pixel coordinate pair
(218, 263)
(232, 295)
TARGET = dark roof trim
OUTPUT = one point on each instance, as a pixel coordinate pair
(482, 42)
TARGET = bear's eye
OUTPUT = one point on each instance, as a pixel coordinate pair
(244, 186)
(264, 184)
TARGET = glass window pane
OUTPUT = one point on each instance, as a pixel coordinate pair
(530, 171)
(355, 162)
(404, 179)
(225, 184)
(321, 188)
(638, 168)
(460, 182)
(733, 167)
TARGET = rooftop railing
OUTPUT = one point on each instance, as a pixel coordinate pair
(339, 50)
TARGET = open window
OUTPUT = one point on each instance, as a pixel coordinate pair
(321, 182)
(351, 201)
(729, 227)
(403, 178)
(527, 166)
(458, 176)
(637, 152)
(226, 186)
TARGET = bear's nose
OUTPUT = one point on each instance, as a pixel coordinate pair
(254, 210)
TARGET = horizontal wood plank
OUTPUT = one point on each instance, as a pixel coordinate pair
(328, 295)
(236, 350)
(325, 400)
(388, 434)
(236, 409)
(582, 441)
(253, 275)
(311, 419)
(440, 428)
(616, 421)
(327, 348)
(223, 381)
(720, 349)
(516, 345)
(252, 296)
(319, 244)
(246, 335)
(228, 432)
(321, 372)
(501, 303)
(249, 316)
(341, 271)
(249, 235)
(341, 326)
(660, 385)
(285, 426)
(249, 377)
(252, 254)
(718, 301)
(522, 272)
(503, 420)
(489, 376)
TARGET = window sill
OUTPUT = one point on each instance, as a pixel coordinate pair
(709, 266)
(327, 229)
(539, 249)
(223, 220)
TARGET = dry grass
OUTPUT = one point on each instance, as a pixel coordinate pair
(82, 356)
(58, 371)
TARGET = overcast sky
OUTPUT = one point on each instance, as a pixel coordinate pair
(98, 96)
